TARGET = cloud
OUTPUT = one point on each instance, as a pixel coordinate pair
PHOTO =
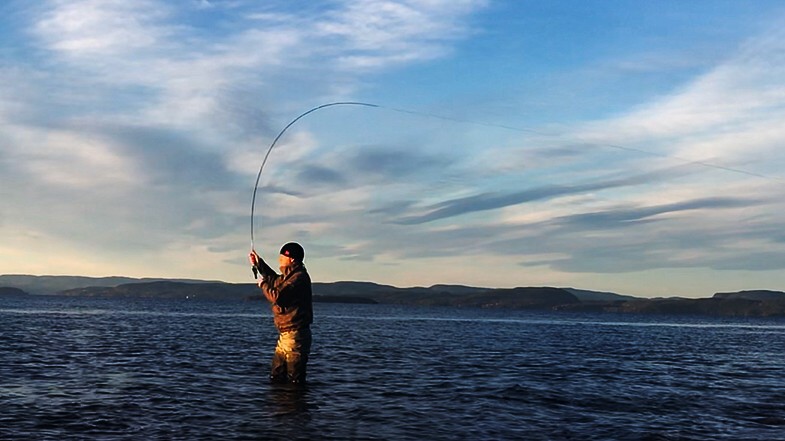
(722, 116)
(692, 233)
(140, 60)
(316, 175)
(610, 220)
(388, 165)
(378, 33)
(631, 237)
(100, 28)
(493, 201)
(171, 157)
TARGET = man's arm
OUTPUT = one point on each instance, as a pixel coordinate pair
(283, 291)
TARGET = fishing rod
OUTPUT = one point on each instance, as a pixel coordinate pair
(272, 146)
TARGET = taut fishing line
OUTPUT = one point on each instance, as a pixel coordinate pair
(430, 115)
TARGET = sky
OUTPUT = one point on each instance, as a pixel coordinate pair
(609, 145)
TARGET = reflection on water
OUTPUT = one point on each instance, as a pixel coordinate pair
(289, 400)
(132, 369)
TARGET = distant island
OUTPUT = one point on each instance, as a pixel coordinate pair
(758, 303)
(8, 291)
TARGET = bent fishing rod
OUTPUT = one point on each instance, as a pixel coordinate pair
(272, 146)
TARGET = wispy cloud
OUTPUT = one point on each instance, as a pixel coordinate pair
(378, 33)
(634, 238)
(725, 114)
(492, 201)
(103, 28)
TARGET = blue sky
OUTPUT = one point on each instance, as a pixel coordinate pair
(624, 146)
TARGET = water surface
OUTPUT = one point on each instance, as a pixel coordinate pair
(76, 368)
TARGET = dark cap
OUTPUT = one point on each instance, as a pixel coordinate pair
(293, 250)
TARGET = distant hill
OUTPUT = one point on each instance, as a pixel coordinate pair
(56, 284)
(6, 291)
(168, 290)
(757, 295)
(741, 304)
(519, 298)
(364, 289)
(597, 296)
(345, 292)
(192, 290)
(457, 289)
(757, 303)
(450, 295)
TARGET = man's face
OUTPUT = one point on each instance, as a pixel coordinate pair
(284, 261)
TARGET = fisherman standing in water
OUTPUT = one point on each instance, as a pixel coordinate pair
(291, 298)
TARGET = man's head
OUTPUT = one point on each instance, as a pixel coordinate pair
(290, 253)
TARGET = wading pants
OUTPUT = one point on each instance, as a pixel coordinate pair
(291, 356)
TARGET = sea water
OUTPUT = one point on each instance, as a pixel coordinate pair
(120, 369)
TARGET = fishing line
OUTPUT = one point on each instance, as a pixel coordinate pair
(501, 126)
(613, 146)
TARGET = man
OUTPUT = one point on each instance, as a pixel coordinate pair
(291, 298)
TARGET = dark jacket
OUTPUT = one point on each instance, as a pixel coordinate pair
(290, 295)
